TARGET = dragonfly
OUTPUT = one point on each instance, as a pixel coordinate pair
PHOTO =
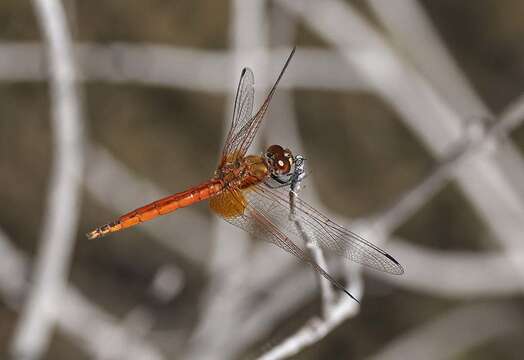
(257, 193)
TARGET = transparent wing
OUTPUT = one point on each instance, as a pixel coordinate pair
(274, 203)
(244, 127)
(258, 223)
(243, 109)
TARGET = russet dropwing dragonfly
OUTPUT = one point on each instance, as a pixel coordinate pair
(254, 192)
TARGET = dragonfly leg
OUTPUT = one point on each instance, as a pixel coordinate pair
(299, 173)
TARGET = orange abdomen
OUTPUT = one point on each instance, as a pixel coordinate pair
(160, 207)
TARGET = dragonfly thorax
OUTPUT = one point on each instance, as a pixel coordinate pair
(244, 172)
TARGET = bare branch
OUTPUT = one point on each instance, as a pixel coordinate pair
(410, 28)
(453, 333)
(221, 308)
(475, 141)
(61, 216)
(328, 295)
(187, 68)
(315, 330)
(496, 198)
(88, 325)
(484, 274)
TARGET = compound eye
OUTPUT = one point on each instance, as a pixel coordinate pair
(284, 163)
(274, 151)
(280, 160)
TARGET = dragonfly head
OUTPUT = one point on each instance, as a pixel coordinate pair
(280, 160)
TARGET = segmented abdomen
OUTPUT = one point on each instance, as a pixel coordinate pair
(160, 207)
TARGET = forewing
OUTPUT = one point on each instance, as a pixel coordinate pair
(242, 111)
(244, 129)
(274, 203)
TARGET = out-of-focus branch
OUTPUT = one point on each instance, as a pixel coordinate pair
(475, 141)
(61, 215)
(485, 275)
(480, 274)
(328, 295)
(310, 334)
(187, 68)
(461, 275)
(378, 68)
(284, 29)
(410, 28)
(454, 333)
(314, 330)
(221, 307)
(495, 196)
(88, 325)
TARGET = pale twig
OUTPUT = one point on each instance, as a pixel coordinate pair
(284, 29)
(281, 298)
(461, 274)
(335, 13)
(454, 333)
(421, 108)
(86, 324)
(410, 28)
(444, 286)
(100, 333)
(61, 216)
(503, 169)
(314, 330)
(327, 293)
(485, 274)
(481, 275)
(177, 67)
(474, 141)
(221, 308)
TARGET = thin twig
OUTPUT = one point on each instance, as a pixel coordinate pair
(314, 330)
(177, 67)
(495, 196)
(223, 304)
(452, 334)
(335, 12)
(484, 274)
(327, 293)
(86, 324)
(475, 140)
(63, 203)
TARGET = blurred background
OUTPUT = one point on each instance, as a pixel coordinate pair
(407, 111)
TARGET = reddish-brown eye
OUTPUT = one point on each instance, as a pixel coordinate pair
(283, 166)
(279, 159)
(274, 151)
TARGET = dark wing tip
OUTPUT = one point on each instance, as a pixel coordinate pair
(243, 71)
(398, 270)
(351, 296)
(391, 258)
